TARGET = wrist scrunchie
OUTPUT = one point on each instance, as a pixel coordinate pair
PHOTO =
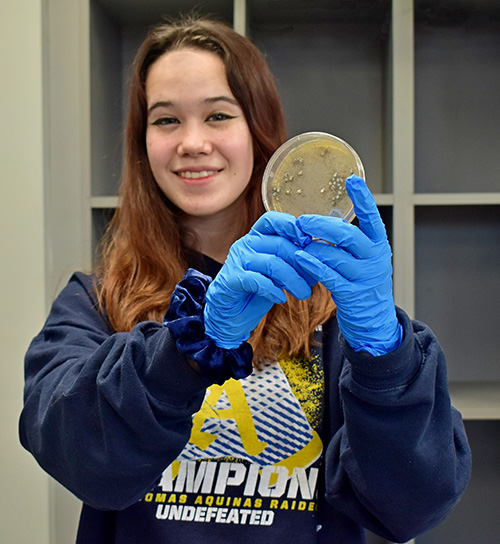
(184, 320)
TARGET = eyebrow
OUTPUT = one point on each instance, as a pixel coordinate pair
(211, 100)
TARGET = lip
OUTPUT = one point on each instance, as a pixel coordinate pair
(197, 175)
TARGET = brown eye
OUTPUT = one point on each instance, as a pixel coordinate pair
(220, 117)
(165, 121)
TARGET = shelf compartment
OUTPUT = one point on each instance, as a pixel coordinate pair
(100, 220)
(457, 254)
(457, 85)
(475, 519)
(116, 30)
(332, 74)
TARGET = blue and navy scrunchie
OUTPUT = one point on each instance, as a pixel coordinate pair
(184, 320)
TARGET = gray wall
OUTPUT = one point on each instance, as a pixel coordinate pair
(24, 491)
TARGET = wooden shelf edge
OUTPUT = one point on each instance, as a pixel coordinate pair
(456, 199)
(103, 202)
(476, 400)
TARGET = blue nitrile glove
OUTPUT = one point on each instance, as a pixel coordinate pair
(357, 270)
(257, 269)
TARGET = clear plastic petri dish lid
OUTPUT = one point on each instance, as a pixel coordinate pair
(307, 175)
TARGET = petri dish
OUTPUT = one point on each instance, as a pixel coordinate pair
(307, 175)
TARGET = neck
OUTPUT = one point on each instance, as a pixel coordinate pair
(216, 234)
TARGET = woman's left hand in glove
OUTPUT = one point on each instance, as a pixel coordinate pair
(354, 264)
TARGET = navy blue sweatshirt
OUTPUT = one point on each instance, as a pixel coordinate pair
(307, 451)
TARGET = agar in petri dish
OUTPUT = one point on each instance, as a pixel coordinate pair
(307, 175)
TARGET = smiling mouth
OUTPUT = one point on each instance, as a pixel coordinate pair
(197, 175)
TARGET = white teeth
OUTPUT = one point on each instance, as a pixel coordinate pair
(196, 175)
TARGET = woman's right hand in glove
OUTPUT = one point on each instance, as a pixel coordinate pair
(259, 266)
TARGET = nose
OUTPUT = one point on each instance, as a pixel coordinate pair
(194, 141)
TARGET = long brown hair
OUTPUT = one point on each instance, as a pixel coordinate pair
(144, 251)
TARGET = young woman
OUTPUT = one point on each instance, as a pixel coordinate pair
(224, 375)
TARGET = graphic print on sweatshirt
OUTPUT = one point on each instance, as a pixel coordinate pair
(254, 454)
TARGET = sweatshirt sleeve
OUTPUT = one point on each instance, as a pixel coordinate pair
(104, 412)
(400, 461)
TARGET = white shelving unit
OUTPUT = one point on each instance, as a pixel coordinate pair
(413, 85)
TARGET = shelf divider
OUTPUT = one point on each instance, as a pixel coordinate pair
(403, 122)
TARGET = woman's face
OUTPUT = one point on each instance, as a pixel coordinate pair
(198, 141)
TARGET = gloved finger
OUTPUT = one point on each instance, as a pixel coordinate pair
(328, 276)
(348, 266)
(280, 273)
(365, 208)
(336, 231)
(281, 224)
(245, 282)
(278, 246)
